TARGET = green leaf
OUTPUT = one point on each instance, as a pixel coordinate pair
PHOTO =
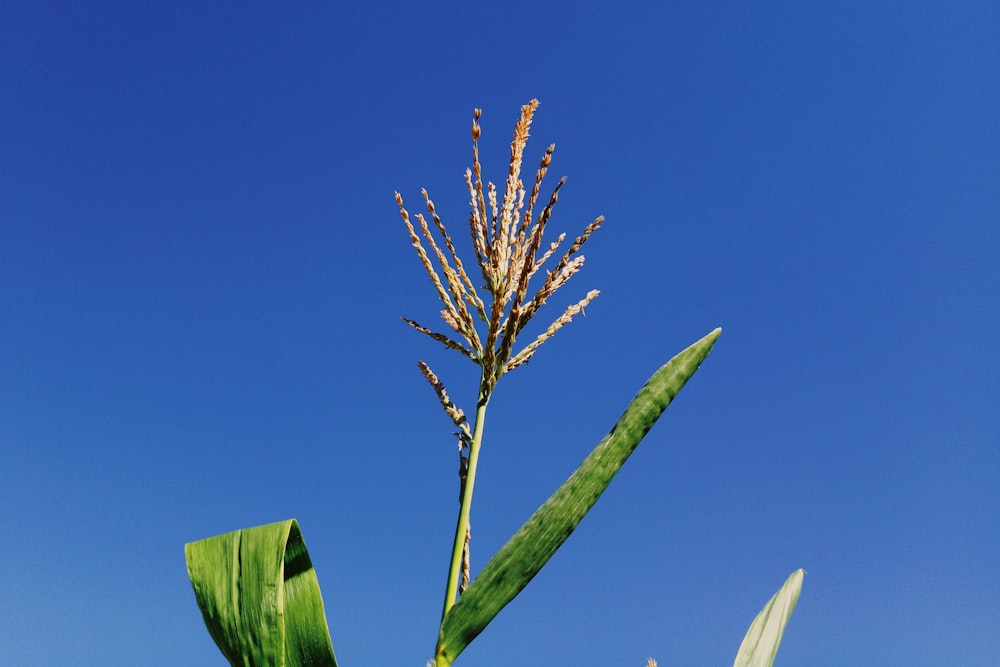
(524, 554)
(764, 636)
(260, 598)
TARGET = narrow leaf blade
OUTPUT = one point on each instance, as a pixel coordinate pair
(760, 645)
(260, 598)
(524, 554)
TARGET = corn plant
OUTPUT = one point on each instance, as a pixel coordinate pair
(256, 587)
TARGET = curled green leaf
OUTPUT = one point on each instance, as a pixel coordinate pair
(260, 597)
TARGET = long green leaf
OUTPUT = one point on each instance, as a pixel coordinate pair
(260, 598)
(764, 636)
(524, 554)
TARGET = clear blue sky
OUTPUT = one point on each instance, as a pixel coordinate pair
(202, 271)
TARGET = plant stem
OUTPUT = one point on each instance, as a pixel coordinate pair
(454, 570)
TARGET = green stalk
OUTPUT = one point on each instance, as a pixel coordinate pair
(455, 569)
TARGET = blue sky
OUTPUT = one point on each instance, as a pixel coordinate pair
(202, 271)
